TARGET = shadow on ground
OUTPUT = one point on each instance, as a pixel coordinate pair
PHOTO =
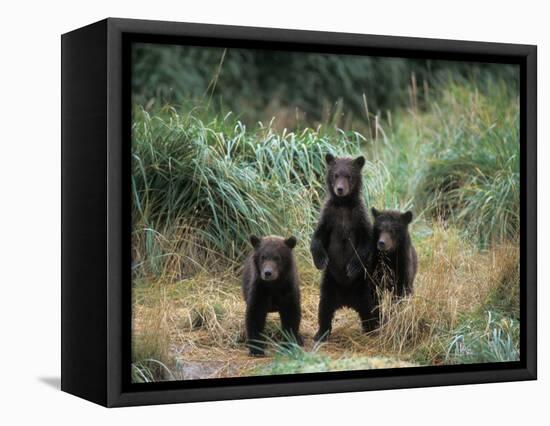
(54, 382)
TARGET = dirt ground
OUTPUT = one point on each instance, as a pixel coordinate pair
(206, 338)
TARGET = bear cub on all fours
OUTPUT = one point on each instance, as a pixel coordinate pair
(341, 246)
(270, 284)
(395, 260)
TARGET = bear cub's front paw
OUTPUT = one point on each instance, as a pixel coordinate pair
(320, 259)
(257, 352)
(353, 269)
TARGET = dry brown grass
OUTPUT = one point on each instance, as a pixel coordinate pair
(196, 324)
(175, 251)
(454, 279)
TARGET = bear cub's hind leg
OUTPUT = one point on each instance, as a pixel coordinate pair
(289, 313)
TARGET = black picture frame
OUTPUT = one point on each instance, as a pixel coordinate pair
(96, 226)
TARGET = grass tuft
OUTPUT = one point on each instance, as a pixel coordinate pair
(490, 339)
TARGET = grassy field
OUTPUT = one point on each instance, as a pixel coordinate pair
(203, 184)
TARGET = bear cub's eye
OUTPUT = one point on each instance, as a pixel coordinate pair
(336, 175)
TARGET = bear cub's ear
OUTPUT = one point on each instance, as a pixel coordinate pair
(255, 241)
(375, 213)
(290, 242)
(329, 158)
(359, 162)
(407, 217)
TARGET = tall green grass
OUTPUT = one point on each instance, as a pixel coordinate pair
(472, 172)
(218, 182)
(202, 185)
(457, 160)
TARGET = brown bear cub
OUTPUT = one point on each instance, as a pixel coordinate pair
(270, 284)
(395, 260)
(341, 246)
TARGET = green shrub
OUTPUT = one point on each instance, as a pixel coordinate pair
(257, 84)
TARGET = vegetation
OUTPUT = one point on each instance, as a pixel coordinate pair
(297, 88)
(493, 340)
(203, 181)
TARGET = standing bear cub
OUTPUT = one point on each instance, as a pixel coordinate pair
(341, 246)
(270, 284)
(395, 261)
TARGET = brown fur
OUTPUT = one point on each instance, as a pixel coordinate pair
(341, 246)
(395, 261)
(270, 284)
